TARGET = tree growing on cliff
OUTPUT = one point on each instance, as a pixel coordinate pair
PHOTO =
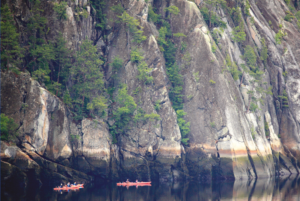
(183, 125)
(8, 128)
(88, 79)
(60, 9)
(133, 27)
(250, 57)
(142, 66)
(99, 7)
(122, 115)
(11, 52)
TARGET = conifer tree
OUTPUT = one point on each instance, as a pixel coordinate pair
(88, 78)
(11, 52)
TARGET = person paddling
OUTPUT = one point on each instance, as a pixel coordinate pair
(74, 184)
(127, 181)
(61, 185)
(136, 181)
(68, 184)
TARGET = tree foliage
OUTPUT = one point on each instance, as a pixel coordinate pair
(211, 18)
(11, 52)
(99, 6)
(183, 125)
(118, 9)
(142, 66)
(8, 128)
(88, 80)
(239, 34)
(264, 51)
(133, 26)
(152, 16)
(122, 115)
(173, 10)
(60, 9)
(250, 57)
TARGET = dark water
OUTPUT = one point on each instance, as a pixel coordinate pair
(267, 189)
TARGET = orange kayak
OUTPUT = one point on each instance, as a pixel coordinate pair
(134, 184)
(68, 188)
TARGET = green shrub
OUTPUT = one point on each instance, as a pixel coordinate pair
(139, 116)
(123, 113)
(157, 105)
(284, 99)
(137, 90)
(88, 80)
(183, 126)
(60, 9)
(161, 38)
(67, 99)
(75, 138)
(99, 6)
(187, 59)
(233, 69)
(8, 128)
(264, 51)
(253, 107)
(118, 9)
(267, 130)
(144, 73)
(152, 16)
(279, 36)
(117, 63)
(211, 18)
(297, 15)
(250, 57)
(247, 8)
(133, 26)
(136, 55)
(143, 69)
(183, 46)
(289, 16)
(213, 48)
(173, 10)
(239, 34)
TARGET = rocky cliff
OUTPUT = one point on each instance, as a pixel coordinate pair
(244, 117)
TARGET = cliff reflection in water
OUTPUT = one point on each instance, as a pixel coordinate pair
(267, 189)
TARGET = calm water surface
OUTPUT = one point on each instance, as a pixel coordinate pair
(267, 189)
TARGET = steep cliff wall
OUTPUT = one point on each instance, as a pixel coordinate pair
(227, 137)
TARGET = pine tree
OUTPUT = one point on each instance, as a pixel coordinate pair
(11, 52)
(88, 78)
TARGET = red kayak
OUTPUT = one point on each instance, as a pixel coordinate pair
(69, 188)
(134, 184)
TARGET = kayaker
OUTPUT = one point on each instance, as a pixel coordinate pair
(61, 185)
(136, 181)
(127, 181)
(74, 184)
(68, 184)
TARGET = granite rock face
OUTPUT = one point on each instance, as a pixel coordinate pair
(227, 140)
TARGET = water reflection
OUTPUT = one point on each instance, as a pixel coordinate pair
(267, 189)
